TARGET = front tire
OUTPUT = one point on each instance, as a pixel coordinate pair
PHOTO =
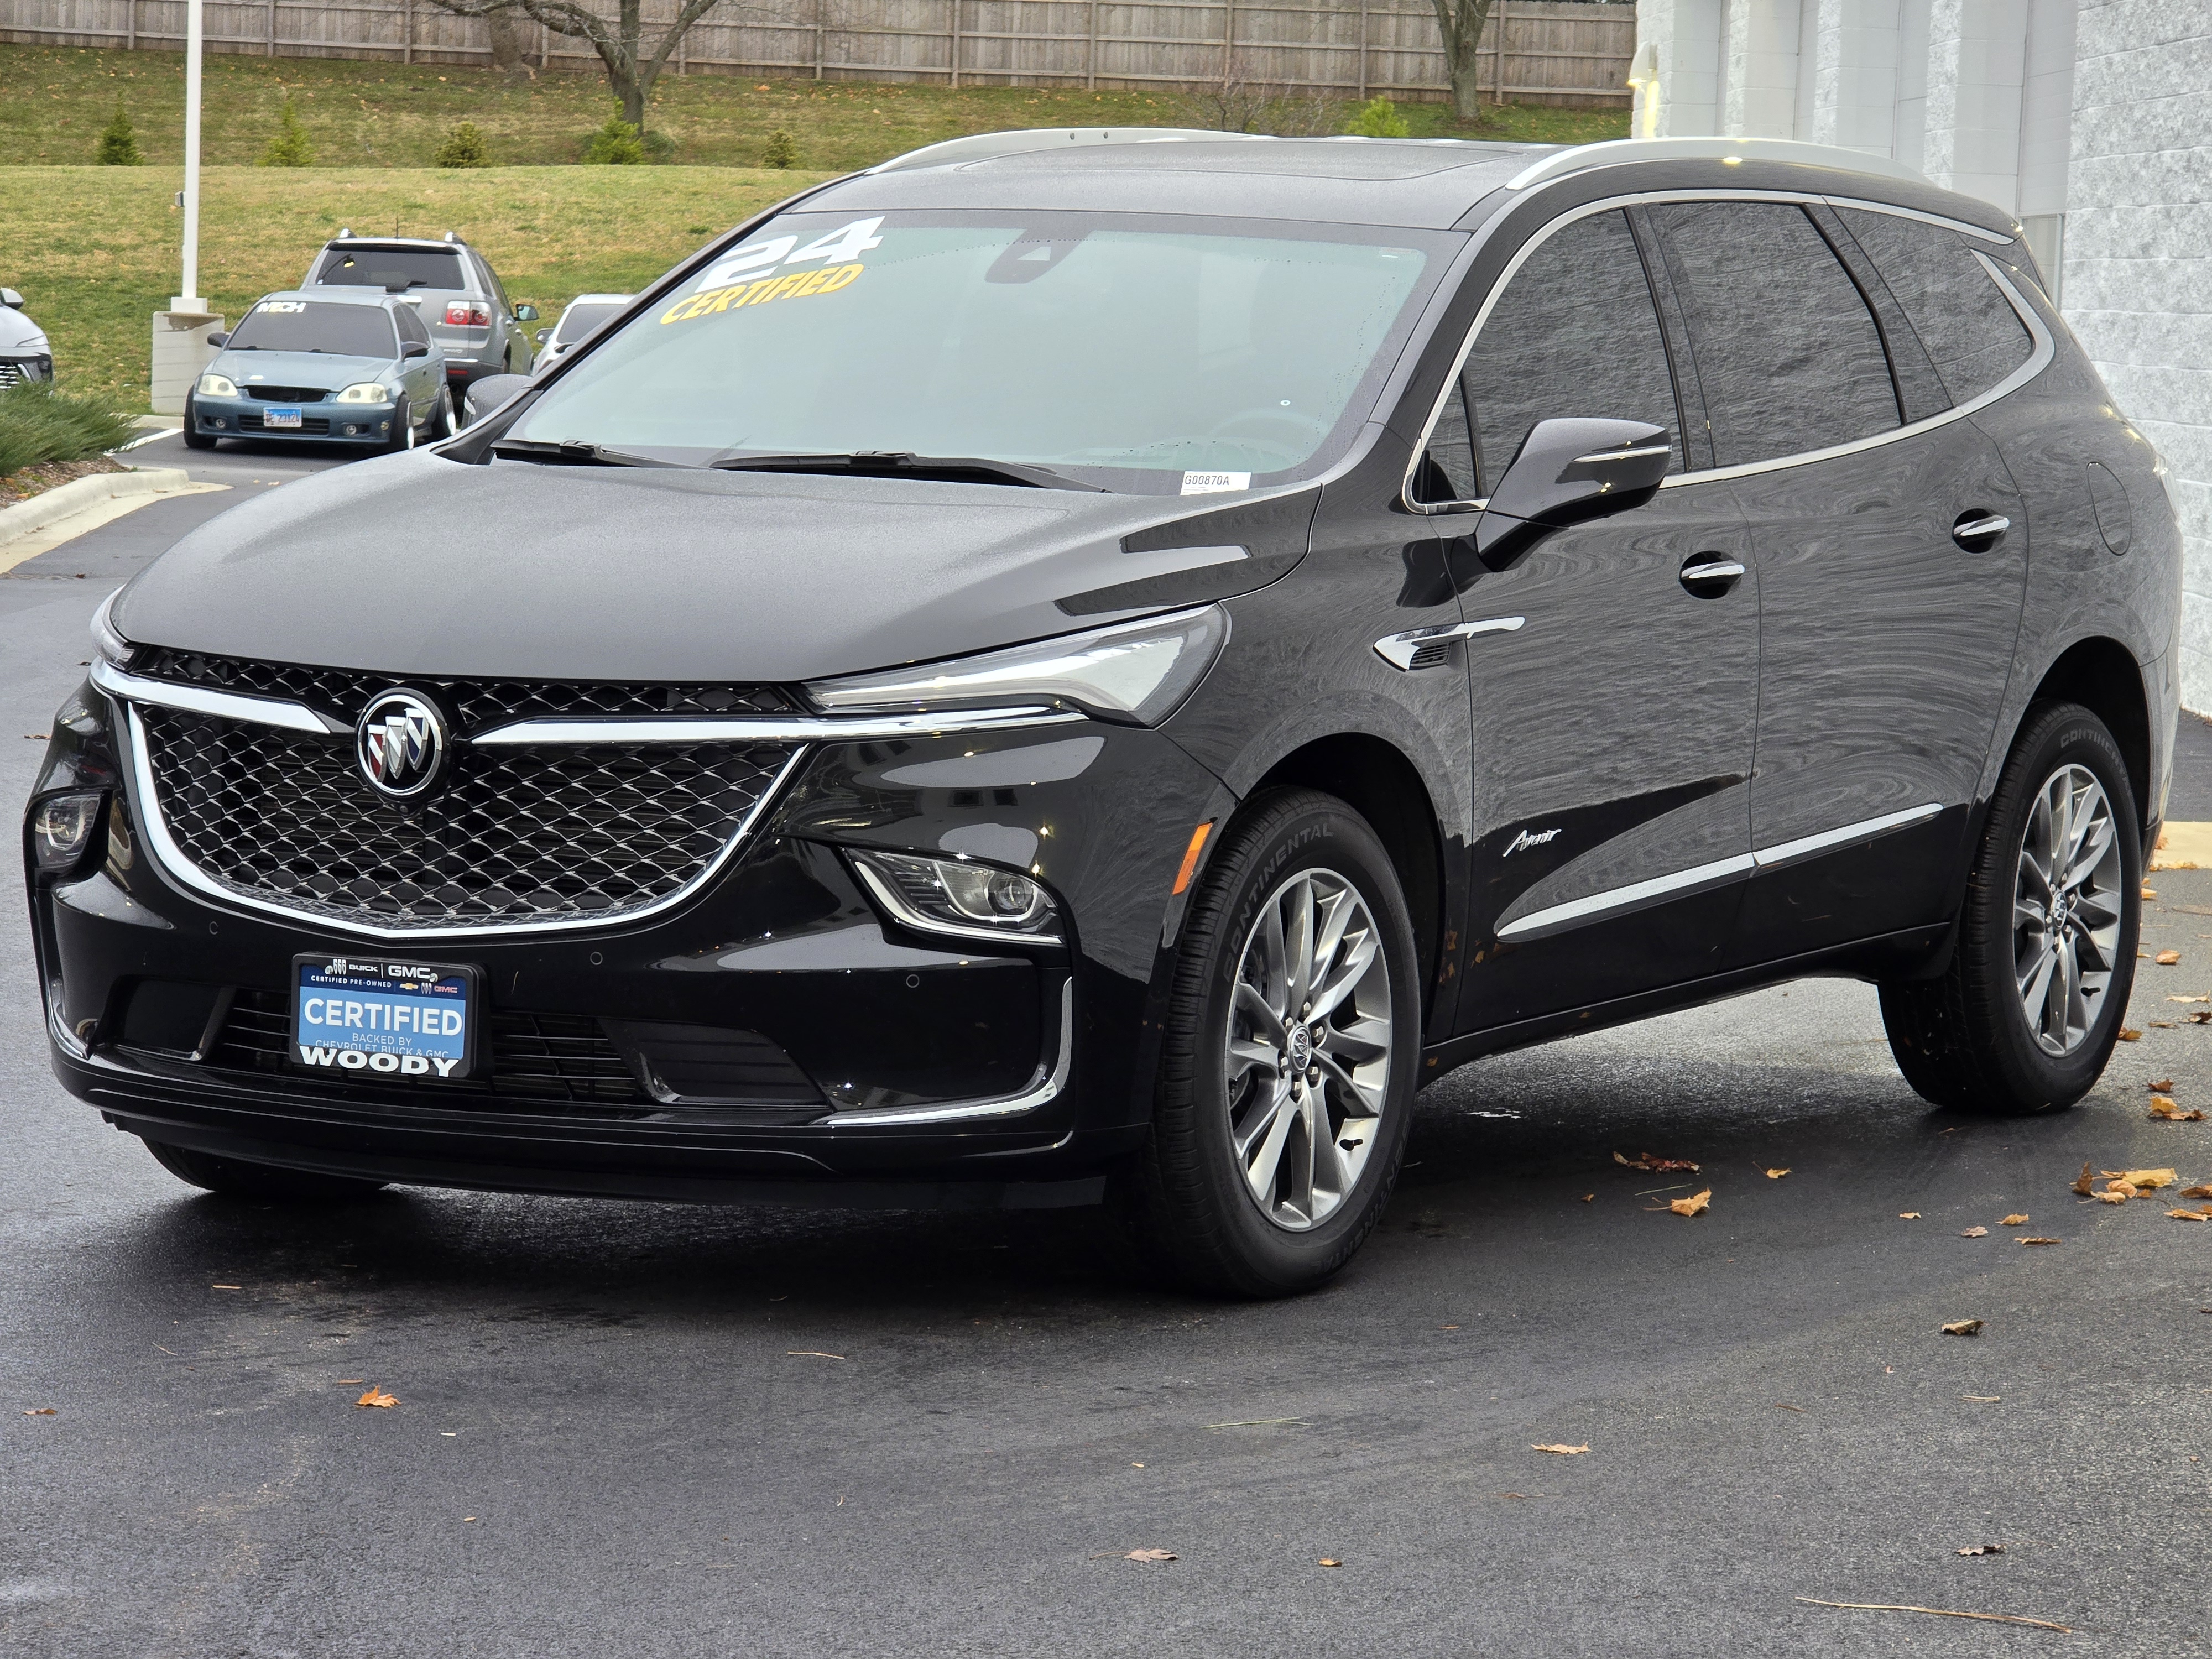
(194, 438)
(236, 1178)
(1290, 1055)
(402, 428)
(2024, 1019)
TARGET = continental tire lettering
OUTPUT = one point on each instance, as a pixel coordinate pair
(798, 285)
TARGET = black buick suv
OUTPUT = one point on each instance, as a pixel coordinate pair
(1084, 667)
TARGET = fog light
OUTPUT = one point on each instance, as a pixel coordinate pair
(62, 827)
(353, 432)
(217, 421)
(951, 896)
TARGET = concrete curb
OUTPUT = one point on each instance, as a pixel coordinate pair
(81, 495)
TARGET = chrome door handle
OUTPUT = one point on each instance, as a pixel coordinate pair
(1980, 534)
(1709, 575)
(1431, 647)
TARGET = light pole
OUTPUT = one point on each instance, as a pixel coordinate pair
(189, 199)
(180, 333)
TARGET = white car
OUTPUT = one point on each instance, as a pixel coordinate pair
(25, 351)
(584, 313)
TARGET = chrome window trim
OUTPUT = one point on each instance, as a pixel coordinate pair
(2038, 359)
(1042, 1091)
(153, 825)
(1556, 918)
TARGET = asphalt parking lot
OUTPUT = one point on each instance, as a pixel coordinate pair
(648, 1429)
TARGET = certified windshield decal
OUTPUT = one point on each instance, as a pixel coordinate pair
(743, 279)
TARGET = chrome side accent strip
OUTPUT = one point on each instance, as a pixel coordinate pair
(1399, 650)
(146, 795)
(801, 728)
(1586, 909)
(224, 705)
(1625, 455)
(1789, 852)
(1044, 1090)
(1619, 898)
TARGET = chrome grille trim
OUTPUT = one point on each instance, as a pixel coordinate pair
(223, 705)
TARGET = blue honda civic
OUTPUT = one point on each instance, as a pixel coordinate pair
(326, 368)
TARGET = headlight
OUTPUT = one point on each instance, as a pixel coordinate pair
(62, 827)
(111, 645)
(218, 386)
(1136, 672)
(366, 391)
(951, 896)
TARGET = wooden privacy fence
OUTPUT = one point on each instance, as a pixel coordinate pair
(1552, 51)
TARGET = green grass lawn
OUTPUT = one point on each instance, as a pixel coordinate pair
(94, 250)
(360, 114)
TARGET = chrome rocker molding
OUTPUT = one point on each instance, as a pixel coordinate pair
(1558, 918)
(1045, 1089)
(153, 825)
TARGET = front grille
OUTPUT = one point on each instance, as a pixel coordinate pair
(559, 1058)
(310, 425)
(288, 394)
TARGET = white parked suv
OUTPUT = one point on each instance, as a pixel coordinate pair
(25, 352)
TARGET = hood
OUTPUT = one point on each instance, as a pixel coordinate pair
(20, 336)
(416, 565)
(299, 368)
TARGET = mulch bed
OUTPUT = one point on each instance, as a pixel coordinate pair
(37, 480)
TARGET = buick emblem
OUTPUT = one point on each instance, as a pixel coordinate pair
(401, 744)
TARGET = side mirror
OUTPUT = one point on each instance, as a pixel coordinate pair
(488, 393)
(1567, 472)
(218, 341)
(10, 297)
(414, 349)
(543, 334)
(525, 313)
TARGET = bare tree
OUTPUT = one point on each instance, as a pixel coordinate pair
(1242, 102)
(633, 62)
(1461, 23)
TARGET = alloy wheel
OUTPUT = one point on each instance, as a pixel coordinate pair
(2067, 909)
(1307, 1063)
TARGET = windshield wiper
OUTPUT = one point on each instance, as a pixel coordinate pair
(569, 452)
(880, 463)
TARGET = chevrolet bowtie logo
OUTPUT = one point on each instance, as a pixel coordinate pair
(401, 744)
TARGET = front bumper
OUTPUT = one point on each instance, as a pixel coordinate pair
(327, 422)
(920, 1069)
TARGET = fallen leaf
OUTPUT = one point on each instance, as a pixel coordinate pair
(1963, 1328)
(2082, 1182)
(2167, 1109)
(2143, 1181)
(376, 1396)
(1563, 1450)
(2189, 1215)
(1776, 1175)
(2201, 1016)
(1654, 1165)
(1328, 1561)
(2166, 959)
(42, 1411)
(1908, 1215)
(1152, 1555)
(1696, 1204)
(1975, 1232)
(2130, 1036)
(2013, 1221)
(1984, 1549)
(2199, 1191)
(2150, 892)
(2118, 1193)
(2035, 1241)
(2163, 1086)
(1587, 1197)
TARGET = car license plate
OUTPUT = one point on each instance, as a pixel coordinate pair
(378, 1018)
(278, 418)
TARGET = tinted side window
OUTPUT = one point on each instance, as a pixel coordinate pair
(1968, 326)
(1447, 470)
(411, 325)
(1575, 333)
(1787, 353)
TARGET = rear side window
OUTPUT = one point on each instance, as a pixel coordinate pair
(1575, 333)
(395, 269)
(1969, 327)
(580, 319)
(1787, 354)
(411, 325)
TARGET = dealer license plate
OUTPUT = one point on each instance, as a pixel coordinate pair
(362, 1016)
(278, 418)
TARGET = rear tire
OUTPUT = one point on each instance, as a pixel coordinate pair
(2064, 948)
(441, 421)
(1261, 1179)
(236, 1178)
(194, 438)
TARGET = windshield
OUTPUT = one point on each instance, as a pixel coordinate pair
(397, 268)
(316, 325)
(1144, 354)
(582, 319)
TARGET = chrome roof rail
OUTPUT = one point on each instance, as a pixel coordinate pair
(1615, 151)
(988, 146)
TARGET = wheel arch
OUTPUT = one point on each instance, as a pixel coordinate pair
(1375, 779)
(2103, 675)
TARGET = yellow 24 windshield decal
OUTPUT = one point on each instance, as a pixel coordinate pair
(740, 278)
